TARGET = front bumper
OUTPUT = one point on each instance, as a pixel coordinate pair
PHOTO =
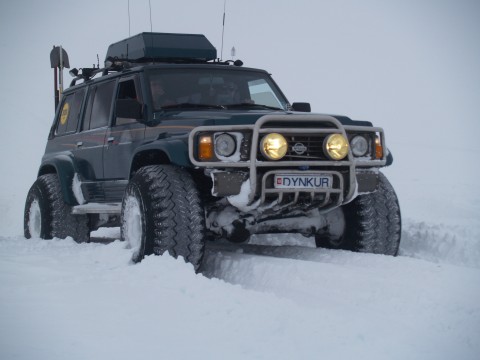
(257, 173)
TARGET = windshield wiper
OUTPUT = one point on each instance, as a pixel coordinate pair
(249, 105)
(191, 106)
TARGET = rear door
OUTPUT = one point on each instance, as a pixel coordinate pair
(64, 134)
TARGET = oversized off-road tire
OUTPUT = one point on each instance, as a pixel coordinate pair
(47, 216)
(372, 223)
(161, 211)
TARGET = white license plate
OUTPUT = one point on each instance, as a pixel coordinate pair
(300, 181)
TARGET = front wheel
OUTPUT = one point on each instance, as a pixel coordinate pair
(162, 212)
(372, 223)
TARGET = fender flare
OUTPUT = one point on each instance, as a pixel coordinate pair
(175, 150)
(389, 158)
(65, 169)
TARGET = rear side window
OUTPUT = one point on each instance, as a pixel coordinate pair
(70, 112)
(99, 105)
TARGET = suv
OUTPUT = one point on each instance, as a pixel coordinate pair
(176, 146)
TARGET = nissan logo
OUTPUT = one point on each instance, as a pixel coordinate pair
(299, 148)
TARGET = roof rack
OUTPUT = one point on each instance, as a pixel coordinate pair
(149, 47)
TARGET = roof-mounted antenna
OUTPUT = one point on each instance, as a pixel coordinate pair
(150, 5)
(128, 9)
(223, 27)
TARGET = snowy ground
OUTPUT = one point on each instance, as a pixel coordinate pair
(63, 300)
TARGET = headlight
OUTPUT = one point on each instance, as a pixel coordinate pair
(273, 146)
(336, 146)
(359, 145)
(225, 145)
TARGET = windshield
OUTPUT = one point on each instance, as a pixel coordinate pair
(213, 88)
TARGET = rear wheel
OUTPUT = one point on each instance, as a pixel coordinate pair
(161, 212)
(372, 223)
(46, 215)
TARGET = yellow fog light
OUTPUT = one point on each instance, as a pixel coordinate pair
(274, 146)
(336, 146)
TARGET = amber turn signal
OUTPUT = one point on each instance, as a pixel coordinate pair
(378, 148)
(205, 147)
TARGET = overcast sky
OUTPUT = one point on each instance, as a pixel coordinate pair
(342, 56)
(410, 66)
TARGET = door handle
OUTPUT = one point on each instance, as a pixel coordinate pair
(111, 139)
(79, 143)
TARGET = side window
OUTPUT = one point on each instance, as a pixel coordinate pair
(99, 105)
(88, 109)
(262, 93)
(128, 90)
(70, 112)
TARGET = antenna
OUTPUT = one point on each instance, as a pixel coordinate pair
(223, 27)
(128, 8)
(150, 5)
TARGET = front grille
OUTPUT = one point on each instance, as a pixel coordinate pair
(307, 147)
(302, 148)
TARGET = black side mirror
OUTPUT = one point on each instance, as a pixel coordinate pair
(301, 106)
(129, 109)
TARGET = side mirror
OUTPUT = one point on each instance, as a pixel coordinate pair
(129, 109)
(301, 106)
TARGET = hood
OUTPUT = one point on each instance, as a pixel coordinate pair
(236, 117)
(215, 117)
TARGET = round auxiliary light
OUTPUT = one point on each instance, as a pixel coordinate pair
(273, 146)
(359, 145)
(336, 146)
(224, 145)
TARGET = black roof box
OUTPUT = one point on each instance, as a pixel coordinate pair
(150, 46)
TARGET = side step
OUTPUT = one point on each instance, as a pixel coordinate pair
(97, 208)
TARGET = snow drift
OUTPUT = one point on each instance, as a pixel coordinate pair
(60, 299)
